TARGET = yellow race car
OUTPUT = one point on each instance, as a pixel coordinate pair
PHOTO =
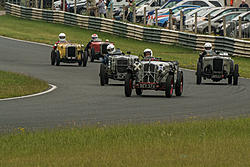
(67, 52)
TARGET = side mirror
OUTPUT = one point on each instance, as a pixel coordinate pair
(128, 52)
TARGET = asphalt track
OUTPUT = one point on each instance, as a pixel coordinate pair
(79, 97)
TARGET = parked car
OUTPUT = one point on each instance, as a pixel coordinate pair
(149, 5)
(201, 3)
(68, 53)
(154, 74)
(81, 7)
(116, 66)
(201, 16)
(215, 22)
(163, 21)
(232, 27)
(217, 66)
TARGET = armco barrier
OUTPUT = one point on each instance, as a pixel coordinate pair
(234, 47)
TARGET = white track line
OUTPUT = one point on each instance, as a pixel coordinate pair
(20, 40)
(53, 87)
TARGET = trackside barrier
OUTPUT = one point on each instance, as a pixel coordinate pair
(235, 47)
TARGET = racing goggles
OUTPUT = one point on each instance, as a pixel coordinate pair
(208, 48)
(62, 37)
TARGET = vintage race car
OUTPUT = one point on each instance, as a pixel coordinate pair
(68, 53)
(115, 66)
(98, 49)
(217, 66)
(154, 74)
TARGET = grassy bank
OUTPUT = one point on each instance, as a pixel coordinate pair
(214, 143)
(13, 84)
(44, 32)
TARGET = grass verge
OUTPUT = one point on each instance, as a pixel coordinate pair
(212, 143)
(44, 32)
(14, 84)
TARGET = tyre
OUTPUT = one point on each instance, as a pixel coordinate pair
(58, 59)
(236, 74)
(92, 55)
(229, 80)
(138, 91)
(198, 74)
(53, 57)
(102, 74)
(85, 58)
(128, 85)
(179, 84)
(169, 86)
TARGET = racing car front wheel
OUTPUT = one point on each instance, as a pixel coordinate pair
(102, 75)
(128, 85)
(236, 74)
(179, 84)
(198, 74)
(85, 58)
(53, 58)
(169, 86)
(58, 59)
(92, 55)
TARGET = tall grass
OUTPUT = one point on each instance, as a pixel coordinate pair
(214, 143)
(14, 84)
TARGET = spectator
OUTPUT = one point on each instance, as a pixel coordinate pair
(101, 8)
(132, 6)
(111, 2)
(92, 7)
(243, 4)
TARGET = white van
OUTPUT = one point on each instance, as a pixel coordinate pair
(118, 4)
(149, 4)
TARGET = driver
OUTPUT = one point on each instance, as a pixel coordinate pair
(62, 38)
(111, 50)
(94, 37)
(148, 53)
(207, 49)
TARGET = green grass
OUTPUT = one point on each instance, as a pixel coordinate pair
(211, 143)
(14, 84)
(44, 32)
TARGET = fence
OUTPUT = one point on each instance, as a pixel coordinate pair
(234, 47)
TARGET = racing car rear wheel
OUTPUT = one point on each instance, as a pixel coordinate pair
(57, 59)
(102, 75)
(169, 86)
(138, 91)
(85, 58)
(179, 84)
(92, 55)
(198, 74)
(236, 74)
(53, 57)
(128, 85)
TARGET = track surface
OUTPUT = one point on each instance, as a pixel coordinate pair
(80, 98)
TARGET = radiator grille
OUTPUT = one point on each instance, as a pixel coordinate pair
(217, 64)
(71, 51)
(122, 65)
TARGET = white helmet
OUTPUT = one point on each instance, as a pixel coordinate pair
(148, 51)
(111, 49)
(94, 36)
(208, 46)
(62, 37)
